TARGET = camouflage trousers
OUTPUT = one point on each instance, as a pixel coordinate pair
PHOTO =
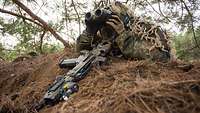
(135, 48)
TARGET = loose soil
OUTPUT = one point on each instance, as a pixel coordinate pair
(121, 86)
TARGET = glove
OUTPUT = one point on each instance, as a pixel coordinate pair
(116, 24)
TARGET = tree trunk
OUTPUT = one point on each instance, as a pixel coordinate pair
(45, 25)
(41, 42)
(192, 23)
(79, 19)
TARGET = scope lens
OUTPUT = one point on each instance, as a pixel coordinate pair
(88, 15)
(98, 12)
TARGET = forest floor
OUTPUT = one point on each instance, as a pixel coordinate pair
(122, 86)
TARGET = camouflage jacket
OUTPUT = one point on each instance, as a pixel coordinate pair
(142, 41)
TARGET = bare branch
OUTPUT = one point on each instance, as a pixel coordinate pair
(3, 49)
(79, 19)
(45, 25)
(66, 13)
(21, 16)
(157, 11)
(41, 41)
(162, 12)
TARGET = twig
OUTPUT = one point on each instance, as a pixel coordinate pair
(145, 105)
(79, 19)
(179, 82)
(126, 2)
(66, 14)
(40, 7)
(156, 10)
(21, 16)
(130, 102)
(162, 12)
(3, 49)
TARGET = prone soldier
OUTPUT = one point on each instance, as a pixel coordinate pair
(133, 37)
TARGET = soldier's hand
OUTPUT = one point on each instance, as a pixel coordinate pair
(116, 24)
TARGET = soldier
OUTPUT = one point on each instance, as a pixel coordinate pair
(142, 40)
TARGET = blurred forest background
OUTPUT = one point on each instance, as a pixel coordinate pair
(46, 26)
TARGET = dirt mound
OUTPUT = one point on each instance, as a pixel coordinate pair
(120, 87)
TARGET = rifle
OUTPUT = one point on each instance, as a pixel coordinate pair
(64, 86)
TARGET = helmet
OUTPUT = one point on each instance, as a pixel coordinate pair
(119, 9)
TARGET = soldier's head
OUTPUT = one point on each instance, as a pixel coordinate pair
(120, 9)
(97, 17)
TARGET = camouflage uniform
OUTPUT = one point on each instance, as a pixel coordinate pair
(142, 41)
